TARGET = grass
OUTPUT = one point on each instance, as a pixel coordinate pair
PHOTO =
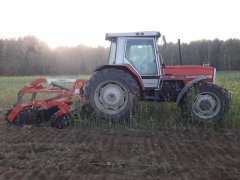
(9, 87)
(231, 81)
(228, 75)
(151, 116)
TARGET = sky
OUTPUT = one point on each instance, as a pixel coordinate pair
(74, 22)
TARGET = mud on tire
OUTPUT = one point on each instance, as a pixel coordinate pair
(112, 94)
(205, 103)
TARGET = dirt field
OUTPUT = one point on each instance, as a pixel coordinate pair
(47, 153)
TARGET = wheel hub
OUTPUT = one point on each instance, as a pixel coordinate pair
(110, 98)
(206, 105)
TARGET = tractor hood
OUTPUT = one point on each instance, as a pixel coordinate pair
(188, 72)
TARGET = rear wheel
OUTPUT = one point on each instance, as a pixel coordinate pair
(111, 93)
(205, 103)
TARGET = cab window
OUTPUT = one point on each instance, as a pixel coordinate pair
(141, 55)
(112, 53)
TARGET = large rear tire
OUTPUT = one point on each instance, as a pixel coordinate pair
(205, 103)
(112, 94)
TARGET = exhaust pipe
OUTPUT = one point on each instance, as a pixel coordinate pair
(180, 52)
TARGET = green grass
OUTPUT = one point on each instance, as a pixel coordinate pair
(9, 87)
(231, 81)
(228, 75)
(151, 116)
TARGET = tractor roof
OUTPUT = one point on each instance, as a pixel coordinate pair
(110, 36)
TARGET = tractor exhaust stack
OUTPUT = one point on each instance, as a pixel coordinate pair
(180, 52)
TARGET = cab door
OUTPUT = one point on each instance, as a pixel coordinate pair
(141, 54)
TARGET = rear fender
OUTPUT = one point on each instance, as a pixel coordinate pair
(188, 86)
(128, 69)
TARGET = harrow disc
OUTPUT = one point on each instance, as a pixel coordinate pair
(60, 122)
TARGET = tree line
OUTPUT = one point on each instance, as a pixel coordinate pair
(30, 56)
(223, 55)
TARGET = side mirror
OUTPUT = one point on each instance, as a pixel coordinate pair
(163, 44)
(164, 40)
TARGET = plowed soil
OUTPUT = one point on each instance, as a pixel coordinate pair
(75, 153)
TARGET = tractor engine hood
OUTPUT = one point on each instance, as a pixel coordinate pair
(188, 73)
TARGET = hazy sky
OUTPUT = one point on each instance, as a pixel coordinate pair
(73, 22)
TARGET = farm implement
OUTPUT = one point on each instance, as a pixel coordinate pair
(54, 107)
(135, 72)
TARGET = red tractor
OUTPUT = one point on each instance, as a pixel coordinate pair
(135, 72)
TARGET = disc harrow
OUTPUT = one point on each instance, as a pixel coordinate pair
(55, 107)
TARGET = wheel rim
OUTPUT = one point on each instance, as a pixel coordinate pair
(206, 105)
(110, 97)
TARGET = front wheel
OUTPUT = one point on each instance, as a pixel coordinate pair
(205, 103)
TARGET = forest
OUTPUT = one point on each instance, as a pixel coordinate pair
(30, 56)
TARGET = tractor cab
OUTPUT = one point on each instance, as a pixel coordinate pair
(139, 50)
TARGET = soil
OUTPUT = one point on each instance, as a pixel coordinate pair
(32, 152)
